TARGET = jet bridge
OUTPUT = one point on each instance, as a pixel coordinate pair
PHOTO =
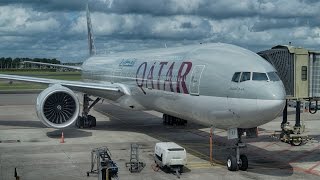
(299, 70)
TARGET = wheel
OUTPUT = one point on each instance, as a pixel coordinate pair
(243, 165)
(77, 122)
(165, 119)
(178, 121)
(174, 121)
(296, 141)
(80, 122)
(181, 169)
(170, 120)
(92, 121)
(185, 122)
(232, 163)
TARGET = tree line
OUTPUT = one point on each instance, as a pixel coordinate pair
(15, 63)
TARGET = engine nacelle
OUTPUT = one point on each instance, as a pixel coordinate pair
(57, 106)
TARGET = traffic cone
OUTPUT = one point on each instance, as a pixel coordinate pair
(62, 138)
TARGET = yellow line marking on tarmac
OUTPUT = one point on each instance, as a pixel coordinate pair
(200, 165)
(192, 168)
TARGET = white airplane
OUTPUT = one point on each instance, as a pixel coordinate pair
(218, 85)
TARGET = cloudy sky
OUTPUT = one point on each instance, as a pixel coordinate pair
(57, 28)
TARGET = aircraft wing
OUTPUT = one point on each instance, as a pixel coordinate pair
(56, 65)
(107, 90)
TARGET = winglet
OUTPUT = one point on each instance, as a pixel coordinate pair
(92, 48)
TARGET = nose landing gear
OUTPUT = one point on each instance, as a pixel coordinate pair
(239, 161)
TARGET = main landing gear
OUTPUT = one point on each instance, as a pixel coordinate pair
(239, 161)
(86, 120)
(171, 120)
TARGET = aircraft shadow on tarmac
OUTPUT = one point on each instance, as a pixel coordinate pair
(56, 133)
(69, 133)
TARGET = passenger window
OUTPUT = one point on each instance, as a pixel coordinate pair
(259, 77)
(273, 76)
(245, 76)
(236, 77)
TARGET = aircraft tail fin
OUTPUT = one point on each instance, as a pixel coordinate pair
(92, 47)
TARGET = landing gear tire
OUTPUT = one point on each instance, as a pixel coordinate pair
(173, 121)
(170, 120)
(80, 122)
(93, 121)
(232, 163)
(243, 164)
(181, 169)
(296, 141)
(165, 119)
(86, 120)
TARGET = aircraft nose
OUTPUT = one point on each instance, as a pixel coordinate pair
(275, 91)
(273, 103)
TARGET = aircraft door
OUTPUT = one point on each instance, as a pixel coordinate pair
(195, 79)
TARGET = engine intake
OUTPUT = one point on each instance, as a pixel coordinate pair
(57, 107)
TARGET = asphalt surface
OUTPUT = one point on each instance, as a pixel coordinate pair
(35, 150)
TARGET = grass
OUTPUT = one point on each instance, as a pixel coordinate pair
(6, 85)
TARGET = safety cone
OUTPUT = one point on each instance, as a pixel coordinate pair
(62, 138)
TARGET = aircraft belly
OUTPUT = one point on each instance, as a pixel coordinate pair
(207, 110)
(210, 110)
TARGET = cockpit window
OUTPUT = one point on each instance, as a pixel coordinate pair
(259, 76)
(236, 77)
(273, 76)
(245, 76)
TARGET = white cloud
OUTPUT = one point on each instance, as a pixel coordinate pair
(133, 26)
(57, 28)
(25, 21)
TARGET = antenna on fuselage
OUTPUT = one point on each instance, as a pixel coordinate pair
(92, 47)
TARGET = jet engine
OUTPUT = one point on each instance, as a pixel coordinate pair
(57, 107)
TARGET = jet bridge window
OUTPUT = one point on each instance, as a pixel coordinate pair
(304, 73)
(273, 76)
(246, 76)
(259, 76)
(236, 77)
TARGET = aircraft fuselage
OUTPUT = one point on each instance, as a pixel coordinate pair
(193, 83)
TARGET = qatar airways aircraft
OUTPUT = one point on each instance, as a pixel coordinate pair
(219, 85)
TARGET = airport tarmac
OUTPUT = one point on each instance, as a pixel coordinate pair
(35, 150)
